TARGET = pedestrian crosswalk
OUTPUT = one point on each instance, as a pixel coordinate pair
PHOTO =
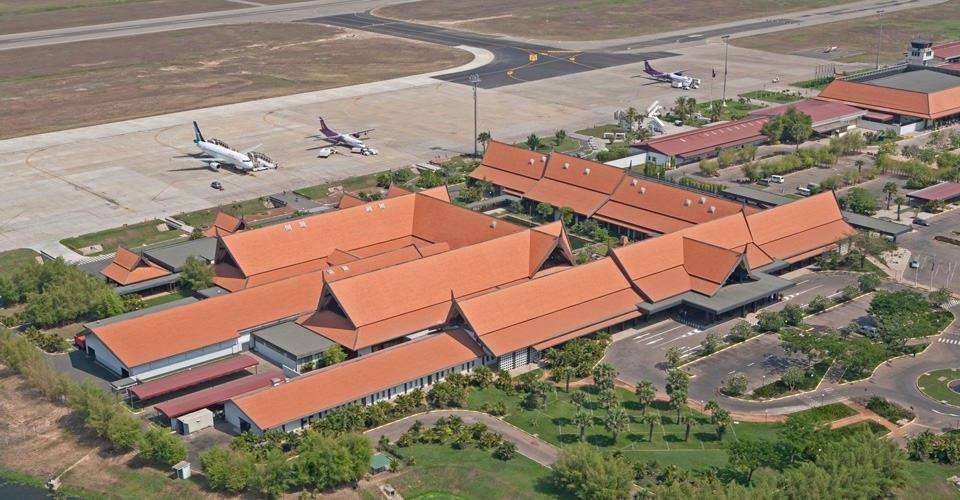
(949, 341)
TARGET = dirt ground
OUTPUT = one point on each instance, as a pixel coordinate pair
(43, 439)
(19, 16)
(856, 39)
(103, 81)
(588, 20)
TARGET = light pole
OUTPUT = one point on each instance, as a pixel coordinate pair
(726, 51)
(879, 37)
(474, 80)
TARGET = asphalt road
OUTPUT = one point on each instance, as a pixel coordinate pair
(514, 62)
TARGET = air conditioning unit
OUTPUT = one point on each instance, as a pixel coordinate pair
(531, 161)
(493, 223)
(368, 209)
(634, 182)
(381, 205)
(566, 165)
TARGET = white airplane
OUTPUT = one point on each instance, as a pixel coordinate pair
(829, 49)
(220, 154)
(352, 140)
(676, 79)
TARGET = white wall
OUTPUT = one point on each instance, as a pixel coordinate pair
(186, 360)
(103, 355)
(274, 355)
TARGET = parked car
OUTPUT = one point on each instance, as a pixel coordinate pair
(777, 178)
(920, 222)
(869, 330)
(764, 182)
(802, 191)
(216, 185)
(914, 263)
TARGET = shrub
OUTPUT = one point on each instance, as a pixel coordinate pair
(505, 451)
(818, 304)
(735, 385)
(162, 447)
(741, 331)
(792, 315)
(769, 321)
(888, 410)
(868, 282)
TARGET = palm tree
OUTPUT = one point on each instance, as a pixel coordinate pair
(533, 142)
(484, 138)
(632, 116)
(558, 137)
(900, 201)
(889, 189)
(722, 420)
(616, 421)
(645, 395)
(712, 407)
(678, 399)
(859, 165)
(650, 420)
(582, 419)
(716, 111)
(564, 372)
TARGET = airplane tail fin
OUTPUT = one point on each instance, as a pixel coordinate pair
(646, 66)
(197, 136)
(323, 127)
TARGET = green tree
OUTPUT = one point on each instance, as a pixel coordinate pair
(506, 450)
(162, 447)
(860, 201)
(900, 200)
(769, 321)
(673, 356)
(868, 282)
(792, 315)
(333, 355)
(616, 421)
(710, 343)
(273, 474)
(585, 472)
(677, 379)
(818, 304)
(482, 376)
(604, 375)
(566, 215)
(545, 210)
(678, 400)
(650, 420)
(196, 274)
(793, 377)
(940, 297)
(122, 430)
(196, 233)
(226, 469)
(646, 394)
(582, 419)
(445, 394)
(748, 455)
(533, 142)
(741, 331)
(734, 385)
(384, 179)
(564, 372)
(722, 420)
(484, 138)
(558, 137)
(890, 190)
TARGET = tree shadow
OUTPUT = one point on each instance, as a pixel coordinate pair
(706, 437)
(632, 405)
(562, 421)
(568, 438)
(600, 440)
(637, 437)
(671, 438)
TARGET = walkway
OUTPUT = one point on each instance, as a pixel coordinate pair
(528, 445)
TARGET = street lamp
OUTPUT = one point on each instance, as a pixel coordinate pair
(474, 80)
(726, 51)
(879, 37)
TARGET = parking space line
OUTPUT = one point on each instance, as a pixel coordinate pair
(650, 335)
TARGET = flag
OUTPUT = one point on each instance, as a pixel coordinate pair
(714, 72)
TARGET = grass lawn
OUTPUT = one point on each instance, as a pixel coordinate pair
(599, 130)
(828, 413)
(777, 389)
(935, 385)
(734, 109)
(816, 83)
(158, 299)
(928, 480)
(13, 259)
(555, 424)
(205, 217)
(130, 236)
(440, 471)
(781, 97)
(349, 184)
(549, 144)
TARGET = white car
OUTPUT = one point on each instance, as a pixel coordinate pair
(325, 152)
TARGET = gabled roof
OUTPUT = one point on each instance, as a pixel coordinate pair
(536, 311)
(672, 201)
(128, 268)
(560, 194)
(200, 324)
(583, 173)
(949, 50)
(224, 224)
(274, 252)
(821, 112)
(793, 218)
(874, 96)
(351, 380)
(519, 161)
(419, 294)
(709, 138)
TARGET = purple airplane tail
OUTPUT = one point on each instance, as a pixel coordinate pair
(326, 130)
(649, 69)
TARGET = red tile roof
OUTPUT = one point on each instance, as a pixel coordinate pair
(949, 50)
(224, 224)
(584, 174)
(192, 377)
(170, 332)
(891, 100)
(346, 382)
(128, 268)
(519, 161)
(945, 190)
(559, 194)
(818, 110)
(216, 395)
(709, 138)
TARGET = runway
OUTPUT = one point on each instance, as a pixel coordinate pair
(514, 62)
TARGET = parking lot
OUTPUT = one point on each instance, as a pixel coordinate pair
(939, 261)
(761, 359)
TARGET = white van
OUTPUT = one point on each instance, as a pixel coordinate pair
(802, 191)
(777, 178)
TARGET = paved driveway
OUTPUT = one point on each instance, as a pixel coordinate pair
(761, 359)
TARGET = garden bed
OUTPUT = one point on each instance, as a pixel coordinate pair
(936, 385)
(812, 378)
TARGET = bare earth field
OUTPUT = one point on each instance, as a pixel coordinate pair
(19, 16)
(590, 19)
(108, 80)
(42, 439)
(856, 39)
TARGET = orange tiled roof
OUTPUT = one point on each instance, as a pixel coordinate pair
(875, 97)
(224, 224)
(537, 310)
(128, 268)
(519, 161)
(507, 180)
(193, 326)
(348, 381)
(582, 173)
(560, 194)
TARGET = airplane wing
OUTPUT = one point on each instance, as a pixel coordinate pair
(250, 150)
(362, 132)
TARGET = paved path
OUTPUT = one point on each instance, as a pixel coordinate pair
(528, 445)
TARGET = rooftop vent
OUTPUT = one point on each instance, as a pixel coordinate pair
(712, 209)
(493, 223)
(643, 190)
(703, 199)
(543, 159)
(368, 209)
(566, 165)
(381, 205)
(344, 268)
(330, 271)
(302, 224)
(287, 227)
(586, 171)
(633, 182)
(687, 202)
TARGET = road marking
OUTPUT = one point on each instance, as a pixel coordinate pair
(949, 341)
(678, 337)
(650, 335)
(751, 364)
(944, 413)
(795, 295)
